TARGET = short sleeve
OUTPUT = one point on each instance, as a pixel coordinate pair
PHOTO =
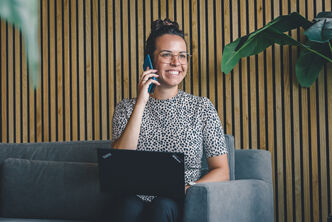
(119, 121)
(213, 134)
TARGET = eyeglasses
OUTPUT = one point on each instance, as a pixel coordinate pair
(168, 57)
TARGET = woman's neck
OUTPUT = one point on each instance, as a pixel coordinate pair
(164, 93)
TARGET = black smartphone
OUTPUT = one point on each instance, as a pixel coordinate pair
(147, 63)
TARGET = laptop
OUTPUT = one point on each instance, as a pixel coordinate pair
(141, 172)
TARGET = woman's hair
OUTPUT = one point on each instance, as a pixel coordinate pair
(158, 28)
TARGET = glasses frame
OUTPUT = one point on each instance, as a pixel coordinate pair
(177, 55)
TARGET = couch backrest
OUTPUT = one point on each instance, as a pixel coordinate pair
(229, 139)
(54, 151)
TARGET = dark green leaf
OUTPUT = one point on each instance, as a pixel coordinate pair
(309, 64)
(321, 31)
(259, 40)
(252, 46)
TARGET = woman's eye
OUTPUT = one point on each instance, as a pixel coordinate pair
(183, 56)
(166, 55)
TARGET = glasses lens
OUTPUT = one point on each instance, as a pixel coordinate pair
(183, 58)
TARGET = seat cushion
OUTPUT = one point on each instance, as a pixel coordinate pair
(51, 190)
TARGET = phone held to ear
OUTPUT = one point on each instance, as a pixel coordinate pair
(148, 63)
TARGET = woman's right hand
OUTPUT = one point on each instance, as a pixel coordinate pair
(144, 83)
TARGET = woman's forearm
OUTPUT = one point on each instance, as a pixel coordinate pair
(215, 175)
(129, 137)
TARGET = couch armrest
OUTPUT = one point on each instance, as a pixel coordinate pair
(236, 200)
(253, 164)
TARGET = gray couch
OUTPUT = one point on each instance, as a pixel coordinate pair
(59, 182)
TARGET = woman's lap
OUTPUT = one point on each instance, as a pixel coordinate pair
(161, 209)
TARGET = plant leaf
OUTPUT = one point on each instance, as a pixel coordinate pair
(259, 40)
(309, 64)
(24, 14)
(321, 30)
(253, 46)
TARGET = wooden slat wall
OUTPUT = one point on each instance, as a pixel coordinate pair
(92, 55)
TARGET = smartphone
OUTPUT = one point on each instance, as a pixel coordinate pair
(148, 63)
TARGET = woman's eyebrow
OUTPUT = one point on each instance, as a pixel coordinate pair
(165, 50)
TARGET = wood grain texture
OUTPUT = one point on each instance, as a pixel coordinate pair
(91, 58)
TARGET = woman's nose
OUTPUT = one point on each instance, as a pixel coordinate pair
(175, 60)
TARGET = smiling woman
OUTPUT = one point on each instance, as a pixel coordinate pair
(169, 120)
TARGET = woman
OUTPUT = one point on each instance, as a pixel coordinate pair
(168, 120)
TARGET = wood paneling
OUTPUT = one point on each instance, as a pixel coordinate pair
(92, 55)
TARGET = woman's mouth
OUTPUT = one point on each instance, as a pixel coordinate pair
(173, 72)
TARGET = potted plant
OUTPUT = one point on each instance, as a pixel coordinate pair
(315, 52)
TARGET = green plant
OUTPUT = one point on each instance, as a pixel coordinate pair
(315, 52)
(24, 15)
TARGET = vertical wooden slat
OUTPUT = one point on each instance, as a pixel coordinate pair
(210, 51)
(125, 52)
(298, 216)
(96, 79)
(46, 68)
(52, 64)
(171, 9)
(305, 145)
(60, 44)
(103, 49)
(228, 110)
(118, 55)
(236, 80)
(3, 77)
(288, 188)
(202, 47)
(17, 87)
(242, 87)
(38, 105)
(81, 68)
(67, 72)
(88, 69)
(219, 41)
(261, 83)
(186, 29)
(10, 81)
(133, 48)
(329, 95)
(110, 29)
(194, 46)
(155, 10)
(162, 8)
(313, 134)
(74, 70)
(25, 95)
(322, 145)
(252, 97)
(270, 108)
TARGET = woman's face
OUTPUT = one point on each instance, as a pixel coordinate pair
(173, 72)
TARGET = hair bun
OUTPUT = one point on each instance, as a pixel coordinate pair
(161, 24)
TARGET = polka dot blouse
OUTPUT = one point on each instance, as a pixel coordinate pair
(184, 123)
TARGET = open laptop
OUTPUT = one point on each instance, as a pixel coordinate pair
(141, 172)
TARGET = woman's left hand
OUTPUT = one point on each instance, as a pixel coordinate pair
(185, 188)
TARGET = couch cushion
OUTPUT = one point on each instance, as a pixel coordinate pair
(51, 190)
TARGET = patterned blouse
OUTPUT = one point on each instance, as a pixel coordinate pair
(184, 123)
